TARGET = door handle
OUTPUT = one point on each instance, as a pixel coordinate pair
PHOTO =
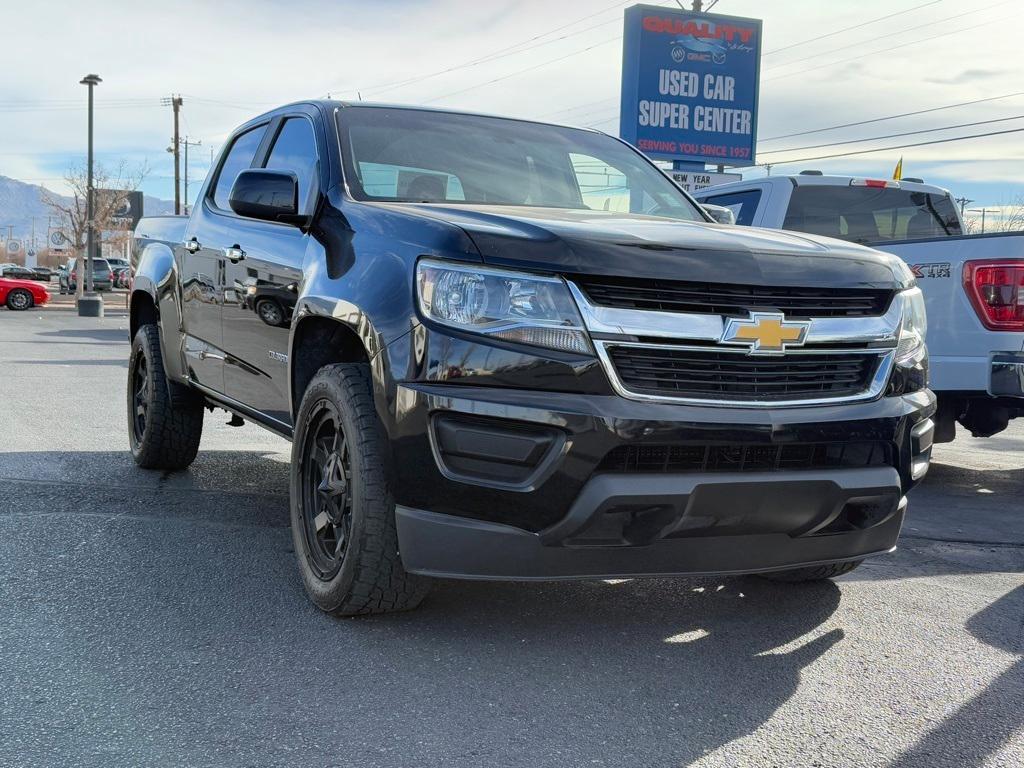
(234, 254)
(192, 246)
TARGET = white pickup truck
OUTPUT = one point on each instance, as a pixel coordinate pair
(973, 284)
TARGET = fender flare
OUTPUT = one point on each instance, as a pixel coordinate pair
(155, 277)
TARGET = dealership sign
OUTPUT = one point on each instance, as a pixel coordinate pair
(689, 85)
(125, 206)
(56, 240)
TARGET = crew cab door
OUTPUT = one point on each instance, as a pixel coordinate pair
(202, 258)
(263, 270)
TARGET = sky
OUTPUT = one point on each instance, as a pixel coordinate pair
(556, 61)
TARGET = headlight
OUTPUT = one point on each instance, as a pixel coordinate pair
(914, 326)
(513, 306)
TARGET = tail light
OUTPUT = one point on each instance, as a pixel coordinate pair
(996, 290)
(111, 276)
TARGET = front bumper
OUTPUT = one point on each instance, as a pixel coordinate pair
(769, 522)
(519, 487)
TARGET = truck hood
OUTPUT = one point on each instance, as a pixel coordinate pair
(627, 245)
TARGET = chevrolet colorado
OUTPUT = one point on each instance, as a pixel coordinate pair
(973, 285)
(510, 350)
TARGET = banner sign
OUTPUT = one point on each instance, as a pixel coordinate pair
(691, 181)
(13, 247)
(690, 85)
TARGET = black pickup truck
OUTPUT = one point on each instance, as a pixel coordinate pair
(510, 350)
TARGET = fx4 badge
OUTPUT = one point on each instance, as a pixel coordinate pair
(766, 333)
(941, 269)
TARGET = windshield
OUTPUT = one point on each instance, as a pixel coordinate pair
(409, 155)
(871, 215)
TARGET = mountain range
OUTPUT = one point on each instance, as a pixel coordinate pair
(20, 202)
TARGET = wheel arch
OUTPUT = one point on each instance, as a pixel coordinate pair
(318, 340)
(154, 301)
(142, 310)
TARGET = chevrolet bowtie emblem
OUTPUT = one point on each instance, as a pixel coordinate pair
(766, 333)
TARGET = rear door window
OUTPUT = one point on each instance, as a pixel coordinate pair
(870, 214)
(742, 204)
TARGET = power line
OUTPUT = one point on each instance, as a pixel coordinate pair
(510, 50)
(897, 146)
(890, 48)
(893, 135)
(522, 71)
(776, 50)
(971, 12)
(848, 29)
(892, 117)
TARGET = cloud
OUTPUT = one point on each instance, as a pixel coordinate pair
(968, 76)
(236, 58)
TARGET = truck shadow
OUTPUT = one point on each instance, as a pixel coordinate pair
(975, 731)
(624, 672)
(668, 669)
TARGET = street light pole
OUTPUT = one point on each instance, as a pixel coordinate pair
(90, 303)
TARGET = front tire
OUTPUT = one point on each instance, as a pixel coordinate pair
(812, 573)
(19, 300)
(342, 508)
(165, 419)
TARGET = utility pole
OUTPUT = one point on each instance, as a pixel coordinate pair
(175, 103)
(983, 211)
(186, 143)
(90, 304)
(964, 202)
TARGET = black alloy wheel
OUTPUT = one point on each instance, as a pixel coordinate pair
(326, 491)
(140, 397)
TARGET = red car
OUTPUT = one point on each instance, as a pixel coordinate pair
(19, 295)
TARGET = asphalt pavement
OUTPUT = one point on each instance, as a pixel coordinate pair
(158, 619)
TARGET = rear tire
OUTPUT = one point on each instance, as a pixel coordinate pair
(165, 419)
(342, 507)
(19, 300)
(812, 573)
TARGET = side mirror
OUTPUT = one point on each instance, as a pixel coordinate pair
(266, 195)
(719, 213)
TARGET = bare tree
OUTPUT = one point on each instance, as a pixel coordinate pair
(1011, 216)
(73, 213)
